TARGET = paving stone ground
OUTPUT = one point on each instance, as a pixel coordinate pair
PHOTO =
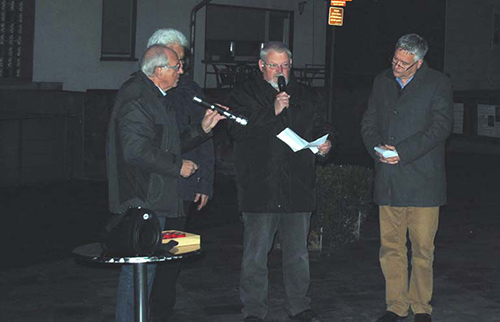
(40, 281)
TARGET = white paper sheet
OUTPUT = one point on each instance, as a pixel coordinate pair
(385, 152)
(296, 143)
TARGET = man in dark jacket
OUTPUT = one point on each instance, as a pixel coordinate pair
(143, 152)
(275, 185)
(410, 110)
(196, 189)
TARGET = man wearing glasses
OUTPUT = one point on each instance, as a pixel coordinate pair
(275, 184)
(143, 152)
(409, 118)
(194, 190)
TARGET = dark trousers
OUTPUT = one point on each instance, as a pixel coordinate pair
(164, 286)
(260, 230)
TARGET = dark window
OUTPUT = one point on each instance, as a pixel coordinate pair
(496, 28)
(16, 39)
(118, 29)
(250, 28)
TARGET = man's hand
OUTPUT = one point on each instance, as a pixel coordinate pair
(391, 160)
(188, 168)
(281, 102)
(211, 119)
(203, 199)
(325, 147)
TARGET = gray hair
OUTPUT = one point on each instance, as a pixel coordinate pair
(153, 57)
(414, 44)
(167, 37)
(276, 46)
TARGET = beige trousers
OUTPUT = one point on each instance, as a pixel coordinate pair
(421, 224)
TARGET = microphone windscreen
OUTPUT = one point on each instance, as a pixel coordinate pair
(281, 83)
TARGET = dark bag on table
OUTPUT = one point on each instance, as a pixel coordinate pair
(136, 232)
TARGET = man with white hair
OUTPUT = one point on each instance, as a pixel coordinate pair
(143, 150)
(194, 190)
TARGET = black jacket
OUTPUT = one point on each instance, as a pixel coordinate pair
(189, 114)
(143, 153)
(417, 121)
(270, 177)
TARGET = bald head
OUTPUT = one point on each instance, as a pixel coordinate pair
(153, 57)
(161, 65)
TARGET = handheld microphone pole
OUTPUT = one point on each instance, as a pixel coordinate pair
(281, 83)
(238, 119)
(282, 88)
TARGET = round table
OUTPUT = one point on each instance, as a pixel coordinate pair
(94, 253)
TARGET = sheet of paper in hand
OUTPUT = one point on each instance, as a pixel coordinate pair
(385, 152)
(296, 143)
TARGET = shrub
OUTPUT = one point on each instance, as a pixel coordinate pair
(344, 201)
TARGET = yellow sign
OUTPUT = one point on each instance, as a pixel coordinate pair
(337, 3)
(336, 16)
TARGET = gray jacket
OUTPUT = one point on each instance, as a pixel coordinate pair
(417, 121)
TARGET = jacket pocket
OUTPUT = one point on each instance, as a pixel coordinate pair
(159, 128)
(155, 189)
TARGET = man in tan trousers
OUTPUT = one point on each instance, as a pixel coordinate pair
(408, 120)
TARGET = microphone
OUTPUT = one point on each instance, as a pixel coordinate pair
(281, 83)
(282, 88)
(238, 119)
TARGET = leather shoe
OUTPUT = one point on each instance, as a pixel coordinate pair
(306, 316)
(422, 317)
(392, 317)
(253, 319)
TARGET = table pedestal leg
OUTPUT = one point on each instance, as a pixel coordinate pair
(141, 292)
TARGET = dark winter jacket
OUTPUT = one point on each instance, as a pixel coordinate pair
(417, 121)
(143, 151)
(270, 176)
(189, 114)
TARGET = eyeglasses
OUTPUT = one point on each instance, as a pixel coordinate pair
(404, 65)
(175, 67)
(276, 66)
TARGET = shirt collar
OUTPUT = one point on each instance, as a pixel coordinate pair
(400, 82)
(162, 91)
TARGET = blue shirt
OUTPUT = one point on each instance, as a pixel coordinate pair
(400, 82)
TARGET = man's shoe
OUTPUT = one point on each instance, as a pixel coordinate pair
(306, 316)
(391, 317)
(253, 319)
(422, 317)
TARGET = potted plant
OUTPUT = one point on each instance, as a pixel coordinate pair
(344, 200)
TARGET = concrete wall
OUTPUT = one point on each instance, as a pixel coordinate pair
(68, 37)
(41, 136)
(470, 58)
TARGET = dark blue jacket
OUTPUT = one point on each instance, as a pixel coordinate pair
(188, 114)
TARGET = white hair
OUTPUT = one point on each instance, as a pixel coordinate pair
(274, 46)
(414, 44)
(154, 56)
(167, 37)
